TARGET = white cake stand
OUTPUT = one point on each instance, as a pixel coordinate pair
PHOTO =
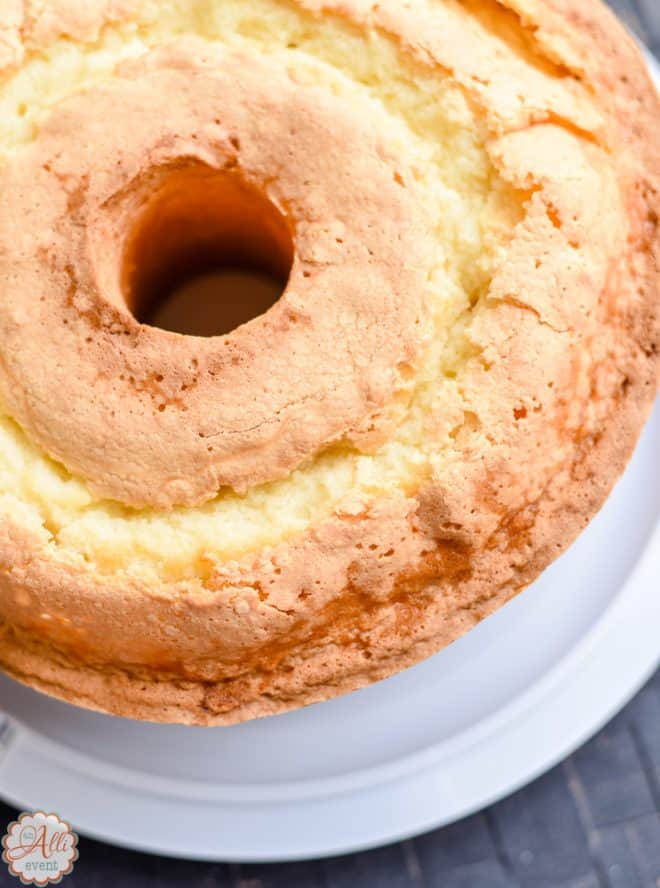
(420, 750)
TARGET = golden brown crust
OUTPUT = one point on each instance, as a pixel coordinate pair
(382, 584)
(320, 366)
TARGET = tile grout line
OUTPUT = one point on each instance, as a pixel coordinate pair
(7, 732)
(500, 850)
(586, 819)
(636, 850)
(413, 864)
(648, 768)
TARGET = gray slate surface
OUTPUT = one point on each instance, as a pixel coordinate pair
(592, 822)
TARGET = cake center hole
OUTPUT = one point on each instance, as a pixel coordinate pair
(208, 253)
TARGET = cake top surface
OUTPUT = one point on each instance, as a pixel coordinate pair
(461, 202)
(454, 183)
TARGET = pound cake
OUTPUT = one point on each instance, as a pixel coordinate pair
(460, 200)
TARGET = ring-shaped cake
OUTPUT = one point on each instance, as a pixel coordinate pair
(460, 201)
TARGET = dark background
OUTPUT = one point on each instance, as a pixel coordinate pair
(592, 822)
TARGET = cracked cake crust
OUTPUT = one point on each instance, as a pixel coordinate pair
(558, 372)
